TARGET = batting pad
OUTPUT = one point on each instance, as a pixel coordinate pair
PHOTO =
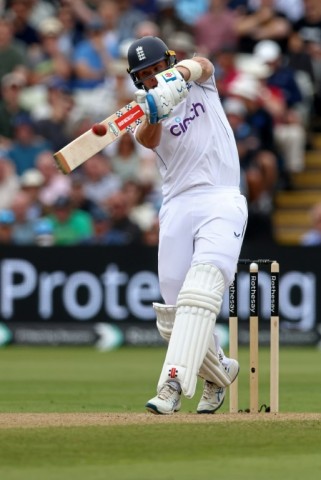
(198, 305)
(211, 369)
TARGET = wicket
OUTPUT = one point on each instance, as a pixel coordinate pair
(254, 335)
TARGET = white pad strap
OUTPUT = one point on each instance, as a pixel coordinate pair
(195, 69)
(165, 317)
(198, 305)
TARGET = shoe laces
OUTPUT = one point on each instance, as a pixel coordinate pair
(209, 388)
(166, 391)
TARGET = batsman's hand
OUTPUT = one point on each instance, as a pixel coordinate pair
(155, 107)
(159, 102)
(171, 86)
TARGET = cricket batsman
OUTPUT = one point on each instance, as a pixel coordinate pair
(202, 219)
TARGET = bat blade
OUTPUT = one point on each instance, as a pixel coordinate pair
(88, 144)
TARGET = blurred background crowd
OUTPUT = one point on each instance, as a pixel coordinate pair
(63, 67)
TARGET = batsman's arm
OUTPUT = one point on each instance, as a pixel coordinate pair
(149, 135)
(197, 69)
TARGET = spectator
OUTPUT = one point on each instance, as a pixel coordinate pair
(226, 69)
(289, 131)
(313, 236)
(12, 53)
(91, 58)
(26, 144)
(129, 18)
(55, 184)
(9, 182)
(78, 195)
(308, 29)
(262, 21)
(249, 90)
(56, 127)
(101, 229)
(23, 229)
(7, 220)
(93, 84)
(10, 105)
(260, 171)
(168, 21)
(70, 225)
(141, 211)
(50, 61)
(123, 230)
(215, 29)
(108, 12)
(190, 11)
(100, 181)
(183, 44)
(126, 162)
(24, 31)
(72, 29)
(31, 182)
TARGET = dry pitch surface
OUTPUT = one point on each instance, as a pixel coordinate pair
(36, 420)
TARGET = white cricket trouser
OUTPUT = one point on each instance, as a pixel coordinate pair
(203, 225)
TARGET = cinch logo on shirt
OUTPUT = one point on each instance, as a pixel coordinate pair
(181, 126)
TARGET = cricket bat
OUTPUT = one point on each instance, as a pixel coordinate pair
(88, 144)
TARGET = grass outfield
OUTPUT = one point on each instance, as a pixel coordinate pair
(77, 413)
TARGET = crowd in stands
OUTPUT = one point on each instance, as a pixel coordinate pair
(63, 67)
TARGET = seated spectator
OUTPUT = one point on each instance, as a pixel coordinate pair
(129, 17)
(10, 105)
(190, 11)
(93, 83)
(31, 182)
(91, 58)
(49, 62)
(54, 183)
(168, 20)
(141, 211)
(23, 229)
(261, 21)
(72, 27)
(100, 181)
(7, 220)
(123, 230)
(24, 31)
(12, 53)
(101, 230)
(308, 29)
(70, 225)
(313, 236)
(289, 130)
(130, 161)
(183, 44)
(26, 144)
(225, 69)
(56, 126)
(215, 29)
(108, 12)
(259, 168)
(9, 181)
(78, 194)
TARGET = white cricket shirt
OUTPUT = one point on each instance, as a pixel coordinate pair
(197, 146)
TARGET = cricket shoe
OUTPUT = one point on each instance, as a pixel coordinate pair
(213, 396)
(167, 401)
